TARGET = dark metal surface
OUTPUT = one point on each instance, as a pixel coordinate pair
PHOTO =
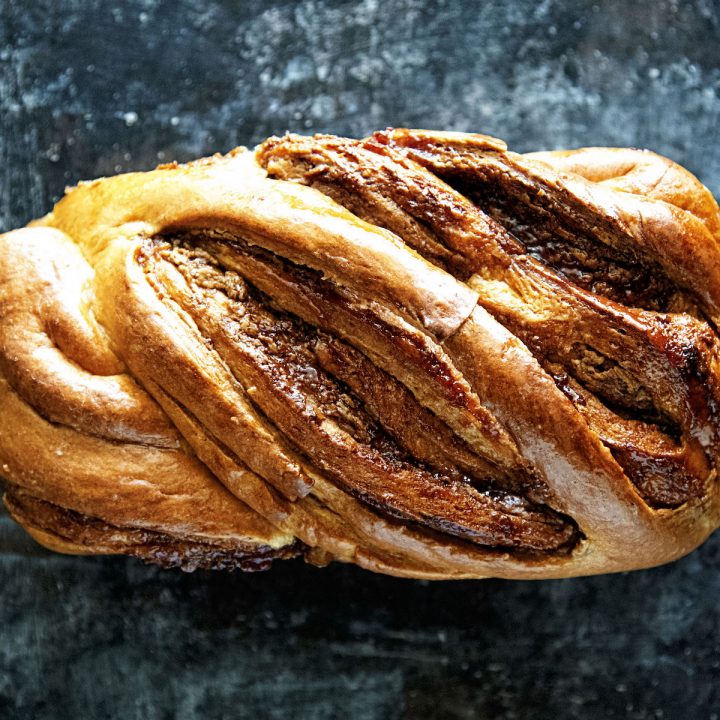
(90, 88)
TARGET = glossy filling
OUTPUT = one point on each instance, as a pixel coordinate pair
(640, 376)
(349, 418)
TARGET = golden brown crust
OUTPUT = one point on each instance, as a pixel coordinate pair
(236, 352)
(639, 172)
(124, 484)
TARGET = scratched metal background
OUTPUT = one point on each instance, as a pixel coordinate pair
(90, 88)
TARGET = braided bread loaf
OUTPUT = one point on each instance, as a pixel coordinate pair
(417, 352)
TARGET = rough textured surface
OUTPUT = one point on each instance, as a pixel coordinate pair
(92, 88)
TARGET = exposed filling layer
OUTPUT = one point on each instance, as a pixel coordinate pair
(153, 547)
(641, 371)
(349, 418)
(561, 237)
(587, 247)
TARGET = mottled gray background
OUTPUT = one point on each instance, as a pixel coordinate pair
(90, 88)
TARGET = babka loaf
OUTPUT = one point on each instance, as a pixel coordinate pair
(418, 352)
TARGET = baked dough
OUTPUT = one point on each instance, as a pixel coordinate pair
(418, 352)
